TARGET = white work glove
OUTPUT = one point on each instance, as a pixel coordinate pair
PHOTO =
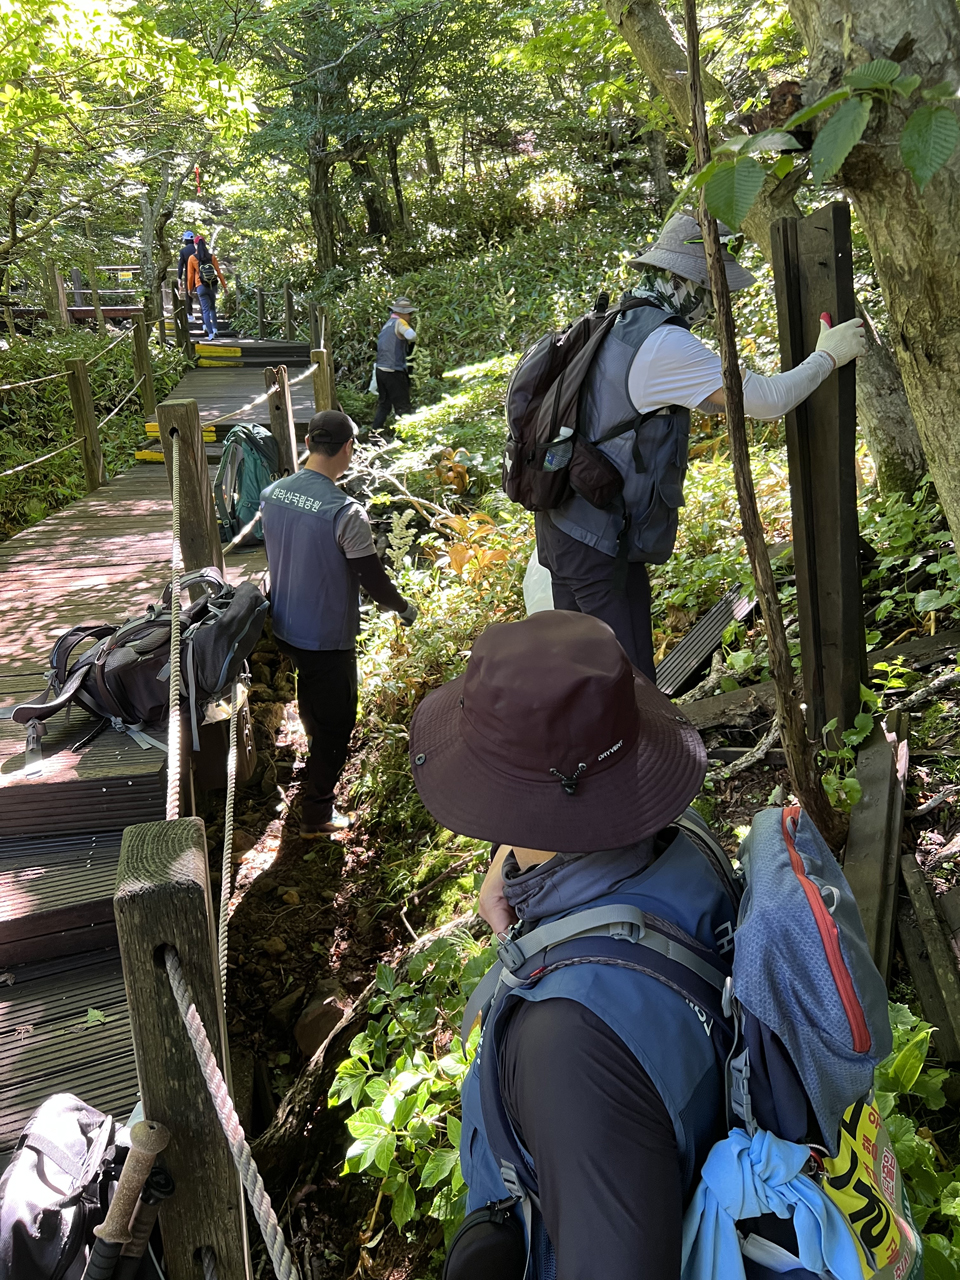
(409, 615)
(844, 342)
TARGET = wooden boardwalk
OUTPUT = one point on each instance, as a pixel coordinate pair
(63, 1021)
(229, 390)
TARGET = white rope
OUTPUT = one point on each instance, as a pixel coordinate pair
(283, 1264)
(209, 1260)
(174, 729)
(226, 867)
(233, 417)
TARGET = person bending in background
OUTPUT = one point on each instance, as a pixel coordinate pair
(320, 552)
(203, 275)
(648, 374)
(393, 372)
(188, 250)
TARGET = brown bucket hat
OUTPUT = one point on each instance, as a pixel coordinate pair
(551, 740)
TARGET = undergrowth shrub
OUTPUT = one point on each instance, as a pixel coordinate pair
(38, 419)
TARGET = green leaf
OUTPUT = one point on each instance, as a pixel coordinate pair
(908, 1063)
(933, 599)
(439, 1166)
(838, 137)
(733, 188)
(928, 141)
(95, 1018)
(906, 85)
(783, 166)
(453, 1131)
(874, 74)
(386, 978)
(382, 1152)
(816, 108)
(404, 1205)
(942, 90)
(936, 1265)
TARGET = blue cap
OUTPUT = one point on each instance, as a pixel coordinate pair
(188, 235)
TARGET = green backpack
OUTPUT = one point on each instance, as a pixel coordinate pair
(251, 460)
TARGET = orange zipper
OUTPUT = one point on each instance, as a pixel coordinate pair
(830, 937)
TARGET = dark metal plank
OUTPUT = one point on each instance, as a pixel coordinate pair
(686, 658)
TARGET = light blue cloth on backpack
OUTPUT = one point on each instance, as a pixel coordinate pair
(745, 1177)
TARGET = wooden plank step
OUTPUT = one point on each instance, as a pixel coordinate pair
(686, 658)
(56, 895)
(938, 984)
(872, 853)
(48, 1045)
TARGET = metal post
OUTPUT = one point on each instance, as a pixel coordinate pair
(143, 367)
(288, 319)
(281, 417)
(199, 531)
(81, 397)
(261, 317)
(813, 273)
(163, 899)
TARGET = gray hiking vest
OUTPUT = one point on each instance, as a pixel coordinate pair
(391, 348)
(652, 459)
(314, 596)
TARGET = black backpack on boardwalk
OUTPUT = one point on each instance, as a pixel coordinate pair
(208, 272)
(124, 678)
(545, 458)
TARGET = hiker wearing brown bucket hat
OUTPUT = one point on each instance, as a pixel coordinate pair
(648, 375)
(601, 1085)
(392, 372)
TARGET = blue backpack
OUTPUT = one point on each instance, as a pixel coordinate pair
(803, 1020)
(250, 461)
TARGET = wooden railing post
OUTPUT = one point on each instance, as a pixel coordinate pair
(281, 417)
(289, 331)
(143, 367)
(321, 380)
(76, 281)
(163, 899)
(261, 317)
(332, 381)
(181, 323)
(315, 338)
(81, 397)
(95, 295)
(199, 532)
(60, 296)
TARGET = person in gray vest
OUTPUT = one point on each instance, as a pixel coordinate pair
(393, 373)
(648, 375)
(320, 551)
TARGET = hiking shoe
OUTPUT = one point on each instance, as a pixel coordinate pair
(338, 822)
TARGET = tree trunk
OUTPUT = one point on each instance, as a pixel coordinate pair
(430, 154)
(392, 157)
(914, 238)
(883, 411)
(320, 201)
(379, 215)
(662, 186)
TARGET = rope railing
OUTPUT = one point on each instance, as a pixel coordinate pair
(226, 866)
(231, 417)
(116, 342)
(43, 458)
(32, 382)
(283, 1264)
(130, 394)
(173, 729)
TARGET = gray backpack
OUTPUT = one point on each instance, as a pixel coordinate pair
(55, 1190)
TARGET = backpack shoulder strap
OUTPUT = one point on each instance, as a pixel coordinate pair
(616, 922)
(693, 826)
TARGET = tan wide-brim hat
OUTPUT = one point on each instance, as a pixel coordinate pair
(680, 248)
(552, 740)
(403, 306)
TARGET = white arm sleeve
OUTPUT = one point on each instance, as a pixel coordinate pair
(769, 398)
(406, 331)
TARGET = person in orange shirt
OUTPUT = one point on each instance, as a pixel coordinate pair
(203, 272)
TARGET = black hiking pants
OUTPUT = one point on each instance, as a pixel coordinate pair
(327, 698)
(394, 392)
(583, 582)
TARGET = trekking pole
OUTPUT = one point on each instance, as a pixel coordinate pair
(158, 1187)
(147, 1140)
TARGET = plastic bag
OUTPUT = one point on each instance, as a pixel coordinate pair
(537, 586)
